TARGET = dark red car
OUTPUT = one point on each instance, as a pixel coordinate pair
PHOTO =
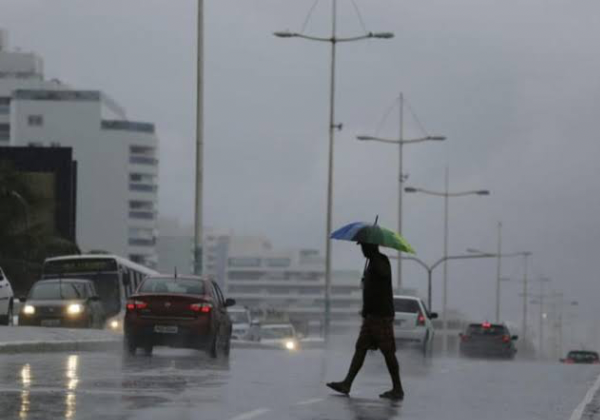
(183, 312)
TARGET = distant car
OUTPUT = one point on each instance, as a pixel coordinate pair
(413, 324)
(280, 335)
(183, 312)
(71, 303)
(581, 357)
(240, 320)
(6, 300)
(488, 340)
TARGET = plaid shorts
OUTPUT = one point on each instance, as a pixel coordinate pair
(377, 333)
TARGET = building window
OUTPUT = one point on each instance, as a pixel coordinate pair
(141, 233)
(142, 188)
(141, 205)
(143, 215)
(143, 160)
(4, 132)
(279, 262)
(142, 242)
(4, 106)
(244, 262)
(142, 150)
(35, 120)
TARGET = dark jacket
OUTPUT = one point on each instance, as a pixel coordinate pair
(378, 295)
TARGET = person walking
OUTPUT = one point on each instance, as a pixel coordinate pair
(377, 330)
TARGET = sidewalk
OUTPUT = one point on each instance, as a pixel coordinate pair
(41, 339)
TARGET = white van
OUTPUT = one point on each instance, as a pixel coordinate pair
(6, 300)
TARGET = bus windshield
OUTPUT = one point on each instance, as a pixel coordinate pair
(102, 271)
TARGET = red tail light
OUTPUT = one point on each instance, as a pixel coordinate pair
(596, 362)
(569, 361)
(202, 308)
(421, 320)
(133, 305)
(506, 338)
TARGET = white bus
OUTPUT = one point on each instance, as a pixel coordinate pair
(115, 279)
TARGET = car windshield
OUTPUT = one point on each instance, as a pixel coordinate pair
(171, 285)
(406, 305)
(583, 356)
(277, 332)
(239, 317)
(486, 329)
(58, 291)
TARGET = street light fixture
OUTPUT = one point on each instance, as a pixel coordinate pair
(446, 194)
(500, 255)
(333, 40)
(400, 142)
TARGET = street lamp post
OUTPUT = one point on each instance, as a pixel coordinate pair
(199, 141)
(430, 268)
(446, 194)
(525, 255)
(400, 141)
(333, 40)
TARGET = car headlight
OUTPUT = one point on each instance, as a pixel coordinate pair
(29, 310)
(290, 345)
(74, 309)
(114, 324)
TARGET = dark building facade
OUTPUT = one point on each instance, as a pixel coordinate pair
(52, 173)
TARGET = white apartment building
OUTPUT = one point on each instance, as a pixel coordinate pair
(260, 277)
(117, 176)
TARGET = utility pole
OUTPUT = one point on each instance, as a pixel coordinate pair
(199, 141)
(400, 192)
(498, 272)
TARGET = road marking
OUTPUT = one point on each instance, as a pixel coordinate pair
(251, 414)
(578, 413)
(309, 402)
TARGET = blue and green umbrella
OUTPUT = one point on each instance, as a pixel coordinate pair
(370, 233)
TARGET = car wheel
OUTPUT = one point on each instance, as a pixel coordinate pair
(129, 346)
(227, 347)
(7, 319)
(148, 349)
(215, 346)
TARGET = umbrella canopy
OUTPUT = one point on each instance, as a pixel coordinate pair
(372, 234)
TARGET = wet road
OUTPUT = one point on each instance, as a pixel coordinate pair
(272, 384)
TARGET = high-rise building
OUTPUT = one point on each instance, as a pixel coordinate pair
(117, 158)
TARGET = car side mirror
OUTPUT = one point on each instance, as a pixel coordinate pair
(433, 315)
(514, 337)
(561, 360)
(229, 302)
(460, 335)
(94, 298)
(22, 299)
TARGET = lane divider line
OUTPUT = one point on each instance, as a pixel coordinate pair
(251, 414)
(311, 401)
(578, 413)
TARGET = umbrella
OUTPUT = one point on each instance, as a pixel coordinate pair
(372, 234)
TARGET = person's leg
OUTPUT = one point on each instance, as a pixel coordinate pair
(387, 344)
(394, 369)
(362, 345)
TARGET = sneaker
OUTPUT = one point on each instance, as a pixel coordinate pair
(340, 387)
(395, 395)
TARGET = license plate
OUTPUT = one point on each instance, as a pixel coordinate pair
(166, 329)
(50, 322)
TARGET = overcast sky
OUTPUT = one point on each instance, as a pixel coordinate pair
(514, 86)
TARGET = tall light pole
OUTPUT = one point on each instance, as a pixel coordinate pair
(333, 40)
(199, 140)
(400, 141)
(446, 194)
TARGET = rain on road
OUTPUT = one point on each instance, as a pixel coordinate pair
(273, 384)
